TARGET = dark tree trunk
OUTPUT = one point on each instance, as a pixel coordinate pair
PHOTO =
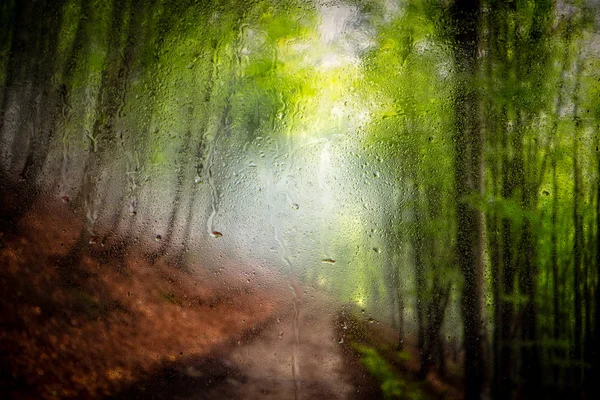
(595, 388)
(468, 180)
(577, 238)
(531, 367)
(554, 260)
(587, 300)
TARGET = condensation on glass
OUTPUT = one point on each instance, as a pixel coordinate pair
(299, 199)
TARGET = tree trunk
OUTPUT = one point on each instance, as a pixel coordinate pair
(577, 238)
(596, 361)
(468, 180)
(531, 367)
(554, 261)
(420, 290)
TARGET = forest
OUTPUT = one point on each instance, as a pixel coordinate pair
(411, 184)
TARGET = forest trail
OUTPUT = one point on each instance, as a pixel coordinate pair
(323, 368)
(259, 364)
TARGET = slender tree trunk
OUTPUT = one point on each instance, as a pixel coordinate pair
(595, 388)
(437, 310)
(468, 180)
(400, 300)
(587, 300)
(531, 372)
(577, 250)
(578, 237)
(420, 290)
(397, 297)
(554, 262)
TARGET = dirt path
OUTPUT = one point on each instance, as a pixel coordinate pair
(267, 360)
(259, 364)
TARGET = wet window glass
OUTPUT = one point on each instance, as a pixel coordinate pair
(299, 199)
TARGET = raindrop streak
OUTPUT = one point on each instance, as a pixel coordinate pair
(277, 207)
(326, 199)
(64, 170)
(214, 201)
(211, 155)
(211, 181)
(66, 112)
(88, 194)
(283, 253)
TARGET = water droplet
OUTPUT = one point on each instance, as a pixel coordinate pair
(197, 179)
(216, 234)
(93, 240)
(295, 206)
(133, 207)
(371, 320)
(66, 199)
(341, 341)
(158, 238)
(328, 261)
(280, 335)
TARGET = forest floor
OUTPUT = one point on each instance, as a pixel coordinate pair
(115, 325)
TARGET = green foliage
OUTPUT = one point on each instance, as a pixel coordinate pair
(393, 386)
